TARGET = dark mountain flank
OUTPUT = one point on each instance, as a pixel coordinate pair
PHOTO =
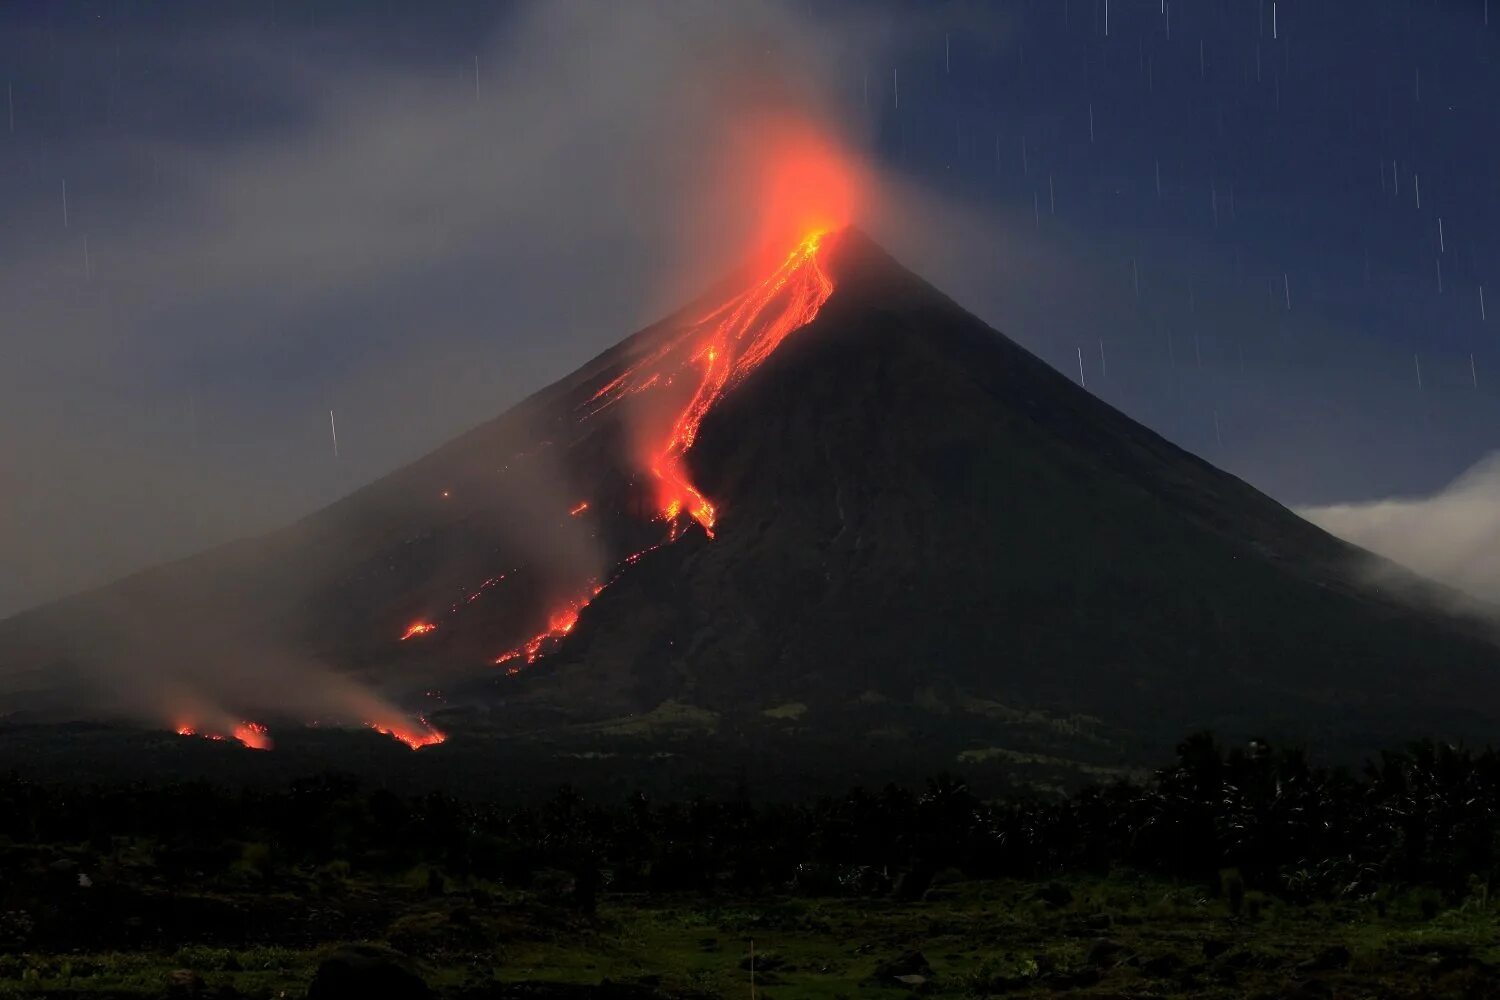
(928, 548)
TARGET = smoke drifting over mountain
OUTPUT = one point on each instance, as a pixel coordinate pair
(1452, 536)
(592, 169)
(411, 250)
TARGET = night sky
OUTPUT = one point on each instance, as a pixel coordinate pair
(1264, 228)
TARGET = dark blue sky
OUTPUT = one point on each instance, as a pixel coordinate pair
(414, 214)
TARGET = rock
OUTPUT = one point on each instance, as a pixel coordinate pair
(184, 983)
(366, 970)
(913, 885)
(1080, 979)
(1054, 894)
(766, 961)
(1098, 921)
(1161, 965)
(1104, 952)
(913, 982)
(909, 963)
(1214, 947)
(1333, 957)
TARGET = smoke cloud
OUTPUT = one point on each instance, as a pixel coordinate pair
(412, 246)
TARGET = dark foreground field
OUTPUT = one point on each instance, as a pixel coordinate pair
(1242, 874)
(1116, 937)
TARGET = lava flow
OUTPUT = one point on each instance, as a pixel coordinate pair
(419, 628)
(414, 737)
(251, 734)
(726, 344)
(559, 624)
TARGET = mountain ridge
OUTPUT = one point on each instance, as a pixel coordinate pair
(924, 530)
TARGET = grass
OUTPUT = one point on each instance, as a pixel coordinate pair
(979, 938)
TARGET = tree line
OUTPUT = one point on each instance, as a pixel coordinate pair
(1423, 816)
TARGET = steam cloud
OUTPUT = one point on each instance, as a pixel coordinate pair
(1452, 536)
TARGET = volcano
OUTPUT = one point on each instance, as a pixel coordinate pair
(823, 518)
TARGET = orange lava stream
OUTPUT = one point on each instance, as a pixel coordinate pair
(579, 509)
(419, 628)
(727, 344)
(414, 737)
(559, 624)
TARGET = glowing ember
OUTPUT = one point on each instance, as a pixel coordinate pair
(579, 509)
(420, 628)
(725, 345)
(486, 585)
(415, 737)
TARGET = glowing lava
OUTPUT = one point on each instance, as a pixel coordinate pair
(725, 346)
(419, 628)
(579, 509)
(251, 734)
(415, 737)
(559, 624)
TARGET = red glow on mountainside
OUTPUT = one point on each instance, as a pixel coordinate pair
(801, 186)
(414, 736)
(419, 628)
(251, 734)
(725, 346)
(807, 182)
(559, 624)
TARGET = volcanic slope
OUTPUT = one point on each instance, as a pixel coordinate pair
(928, 534)
(927, 545)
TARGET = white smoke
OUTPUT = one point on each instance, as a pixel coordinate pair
(1452, 536)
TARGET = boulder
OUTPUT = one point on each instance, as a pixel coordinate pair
(184, 983)
(367, 970)
(1104, 952)
(908, 963)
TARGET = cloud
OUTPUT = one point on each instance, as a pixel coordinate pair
(1452, 536)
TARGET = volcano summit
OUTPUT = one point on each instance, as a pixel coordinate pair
(821, 515)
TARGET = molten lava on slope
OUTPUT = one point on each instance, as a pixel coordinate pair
(724, 345)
